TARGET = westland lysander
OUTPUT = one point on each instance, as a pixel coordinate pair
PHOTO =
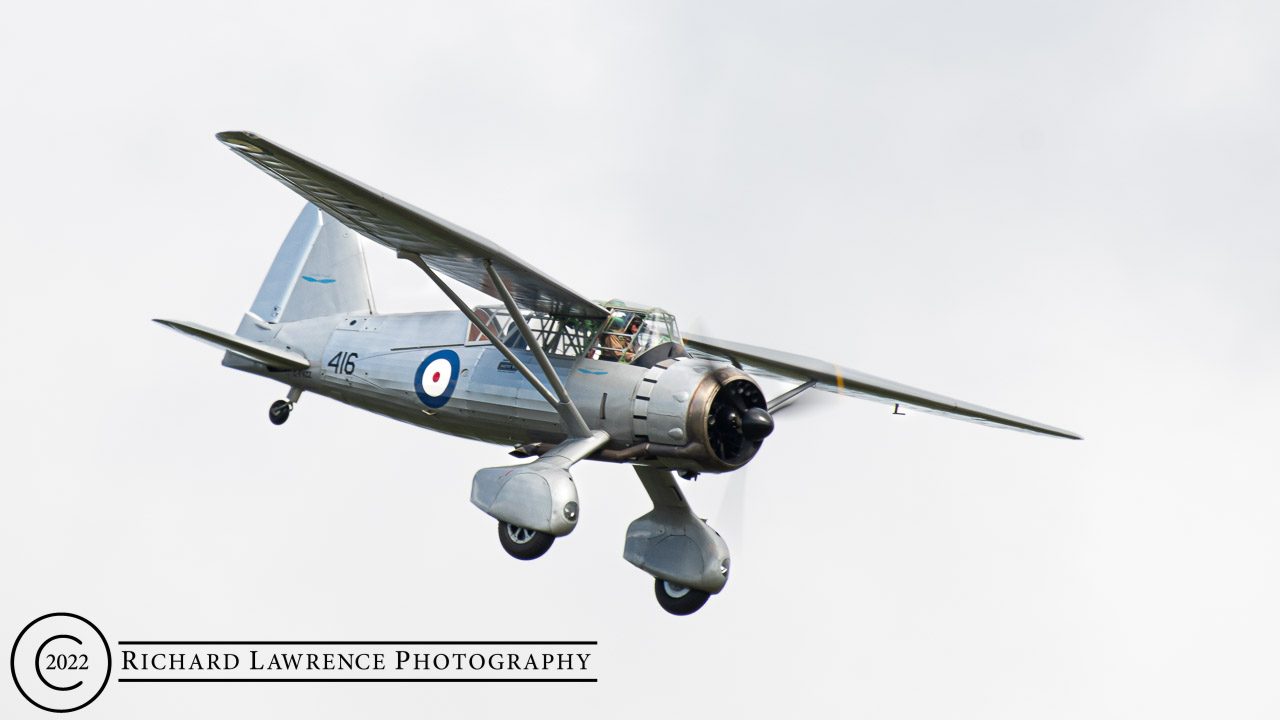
(555, 375)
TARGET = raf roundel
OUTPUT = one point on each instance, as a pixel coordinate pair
(436, 378)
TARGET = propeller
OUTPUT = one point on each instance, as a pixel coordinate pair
(737, 419)
(730, 518)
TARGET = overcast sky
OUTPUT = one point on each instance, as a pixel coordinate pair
(1067, 212)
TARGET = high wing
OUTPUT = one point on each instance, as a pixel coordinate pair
(445, 247)
(833, 378)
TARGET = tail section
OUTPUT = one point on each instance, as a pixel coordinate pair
(319, 270)
(273, 357)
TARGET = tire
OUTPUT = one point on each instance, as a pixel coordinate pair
(677, 599)
(523, 543)
(279, 412)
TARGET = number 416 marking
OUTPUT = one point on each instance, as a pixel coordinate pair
(344, 363)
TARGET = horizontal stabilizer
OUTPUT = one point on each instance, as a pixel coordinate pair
(833, 378)
(272, 357)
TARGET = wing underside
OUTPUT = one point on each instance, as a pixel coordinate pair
(836, 379)
(447, 248)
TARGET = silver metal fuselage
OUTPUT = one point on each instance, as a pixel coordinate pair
(374, 362)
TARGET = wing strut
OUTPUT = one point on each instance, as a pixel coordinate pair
(574, 425)
(540, 355)
(789, 396)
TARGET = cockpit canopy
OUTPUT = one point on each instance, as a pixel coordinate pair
(630, 332)
(627, 334)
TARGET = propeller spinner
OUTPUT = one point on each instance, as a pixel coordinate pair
(737, 421)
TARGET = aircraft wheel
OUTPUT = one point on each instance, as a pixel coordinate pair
(677, 599)
(522, 543)
(279, 412)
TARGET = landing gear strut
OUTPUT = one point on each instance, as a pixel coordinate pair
(280, 409)
(522, 543)
(688, 560)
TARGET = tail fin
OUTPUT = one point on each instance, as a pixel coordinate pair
(319, 270)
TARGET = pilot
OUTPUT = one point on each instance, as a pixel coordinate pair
(630, 353)
(616, 339)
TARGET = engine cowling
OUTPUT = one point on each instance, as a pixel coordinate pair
(699, 415)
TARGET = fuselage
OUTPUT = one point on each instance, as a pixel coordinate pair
(421, 369)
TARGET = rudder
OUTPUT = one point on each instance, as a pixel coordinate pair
(319, 270)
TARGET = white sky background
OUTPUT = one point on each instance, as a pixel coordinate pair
(1065, 212)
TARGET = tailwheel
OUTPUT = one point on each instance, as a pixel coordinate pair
(678, 599)
(522, 543)
(279, 411)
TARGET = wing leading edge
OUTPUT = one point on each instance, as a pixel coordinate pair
(833, 378)
(447, 248)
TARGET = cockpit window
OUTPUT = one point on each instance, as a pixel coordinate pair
(562, 336)
(496, 320)
(622, 337)
(629, 333)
